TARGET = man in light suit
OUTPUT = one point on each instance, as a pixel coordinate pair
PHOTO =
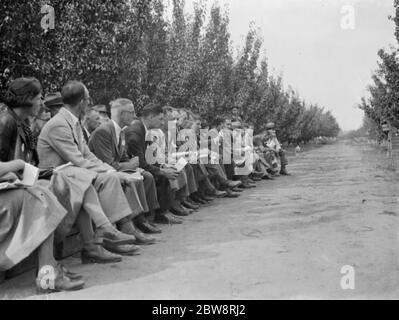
(61, 142)
(108, 144)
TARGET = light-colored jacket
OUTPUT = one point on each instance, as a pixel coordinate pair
(59, 144)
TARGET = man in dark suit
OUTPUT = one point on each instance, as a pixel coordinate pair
(108, 144)
(90, 123)
(137, 146)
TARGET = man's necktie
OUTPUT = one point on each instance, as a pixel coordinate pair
(85, 135)
(120, 144)
(79, 135)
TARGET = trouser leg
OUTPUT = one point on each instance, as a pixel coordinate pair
(164, 193)
(92, 206)
(112, 197)
(283, 158)
(150, 191)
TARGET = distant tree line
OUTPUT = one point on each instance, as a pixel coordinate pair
(382, 104)
(131, 49)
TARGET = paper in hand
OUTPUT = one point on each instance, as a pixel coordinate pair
(30, 176)
(180, 165)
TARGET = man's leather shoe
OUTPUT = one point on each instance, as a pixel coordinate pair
(208, 197)
(188, 204)
(248, 186)
(195, 203)
(98, 254)
(220, 194)
(268, 177)
(189, 211)
(233, 184)
(231, 194)
(71, 275)
(61, 283)
(167, 218)
(180, 212)
(148, 228)
(237, 190)
(284, 172)
(125, 250)
(111, 235)
(142, 239)
(200, 200)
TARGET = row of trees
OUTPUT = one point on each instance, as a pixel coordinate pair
(382, 105)
(131, 49)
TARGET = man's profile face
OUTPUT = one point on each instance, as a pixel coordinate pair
(127, 115)
(183, 116)
(157, 121)
(175, 115)
(93, 121)
(84, 104)
(169, 116)
(197, 127)
(104, 117)
(271, 133)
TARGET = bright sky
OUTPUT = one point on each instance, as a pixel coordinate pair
(304, 40)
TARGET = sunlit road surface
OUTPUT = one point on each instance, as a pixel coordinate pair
(287, 239)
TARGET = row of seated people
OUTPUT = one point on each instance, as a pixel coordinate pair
(97, 174)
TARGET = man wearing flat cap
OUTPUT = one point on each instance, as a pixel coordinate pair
(272, 142)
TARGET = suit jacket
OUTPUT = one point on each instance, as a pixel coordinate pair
(59, 144)
(136, 146)
(103, 143)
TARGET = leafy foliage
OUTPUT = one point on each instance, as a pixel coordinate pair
(130, 49)
(383, 102)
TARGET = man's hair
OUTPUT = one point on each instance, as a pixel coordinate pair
(21, 91)
(151, 109)
(119, 103)
(116, 108)
(168, 109)
(89, 111)
(218, 121)
(73, 92)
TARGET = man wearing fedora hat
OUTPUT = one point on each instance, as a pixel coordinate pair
(272, 142)
(53, 103)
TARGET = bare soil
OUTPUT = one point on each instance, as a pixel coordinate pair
(286, 239)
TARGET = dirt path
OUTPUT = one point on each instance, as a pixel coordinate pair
(286, 239)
